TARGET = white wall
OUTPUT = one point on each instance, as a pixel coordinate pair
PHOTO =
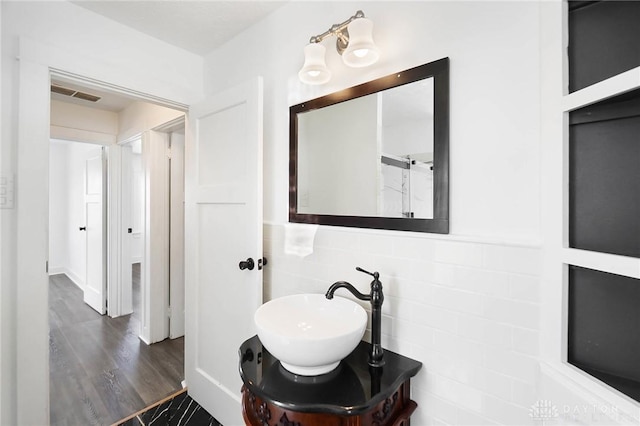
(494, 95)
(62, 36)
(83, 124)
(58, 207)
(142, 116)
(467, 304)
(67, 244)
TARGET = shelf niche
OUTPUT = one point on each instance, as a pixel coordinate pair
(603, 321)
(603, 40)
(604, 176)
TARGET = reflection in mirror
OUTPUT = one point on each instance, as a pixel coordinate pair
(375, 155)
(407, 151)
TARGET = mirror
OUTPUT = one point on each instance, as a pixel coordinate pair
(374, 155)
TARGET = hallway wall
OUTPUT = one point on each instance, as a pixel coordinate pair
(58, 207)
(67, 244)
(82, 124)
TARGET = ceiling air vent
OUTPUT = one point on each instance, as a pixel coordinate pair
(74, 93)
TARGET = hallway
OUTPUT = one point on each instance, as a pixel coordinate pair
(100, 371)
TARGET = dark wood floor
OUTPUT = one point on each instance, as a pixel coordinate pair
(100, 371)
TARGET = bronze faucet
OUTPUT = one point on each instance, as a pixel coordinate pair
(376, 298)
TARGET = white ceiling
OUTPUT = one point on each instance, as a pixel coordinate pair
(197, 26)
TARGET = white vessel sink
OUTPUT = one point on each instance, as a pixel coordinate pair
(308, 333)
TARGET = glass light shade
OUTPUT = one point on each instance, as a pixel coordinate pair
(314, 70)
(361, 51)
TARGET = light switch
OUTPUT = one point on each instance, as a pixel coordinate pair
(6, 192)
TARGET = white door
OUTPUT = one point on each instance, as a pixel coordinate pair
(94, 180)
(223, 216)
(154, 292)
(127, 190)
(176, 236)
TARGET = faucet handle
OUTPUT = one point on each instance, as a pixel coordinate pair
(375, 275)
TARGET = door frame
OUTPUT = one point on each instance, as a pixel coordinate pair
(122, 302)
(37, 62)
(155, 276)
(175, 302)
(154, 290)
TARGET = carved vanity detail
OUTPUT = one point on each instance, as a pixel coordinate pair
(354, 394)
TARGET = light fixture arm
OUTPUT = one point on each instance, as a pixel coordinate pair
(340, 31)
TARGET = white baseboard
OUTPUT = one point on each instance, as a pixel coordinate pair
(75, 278)
(144, 339)
(57, 270)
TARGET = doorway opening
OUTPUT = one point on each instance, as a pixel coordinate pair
(77, 243)
(102, 357)
(133, 213)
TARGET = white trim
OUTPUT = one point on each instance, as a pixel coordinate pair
(534, 243)
(608, 88)
(146, 342)
(130, 139)
(594, 392)
(92, 83)
(114, 223)
(63, 270)
(613, 263)
(78, 135)
(32, 360)
(176, 301)
(56, 270)
(170, 126)
(124, 240)
(155, 266)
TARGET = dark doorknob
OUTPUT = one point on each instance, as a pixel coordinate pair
(247, 264)
(83, 228)
(129, 230)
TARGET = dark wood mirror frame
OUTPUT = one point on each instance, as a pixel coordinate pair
(439, 70)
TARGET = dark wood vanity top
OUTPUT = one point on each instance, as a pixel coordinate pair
(351, 389)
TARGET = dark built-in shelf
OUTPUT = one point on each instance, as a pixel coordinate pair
(603, 40)
(353, 388)
(604, 318)
(604, 176)
(626, 386)
(604, 190)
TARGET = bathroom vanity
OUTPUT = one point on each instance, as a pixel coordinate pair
(352, 394)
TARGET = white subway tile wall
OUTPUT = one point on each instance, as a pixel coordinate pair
(469, 311)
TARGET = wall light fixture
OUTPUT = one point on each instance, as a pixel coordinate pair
(354, 42)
